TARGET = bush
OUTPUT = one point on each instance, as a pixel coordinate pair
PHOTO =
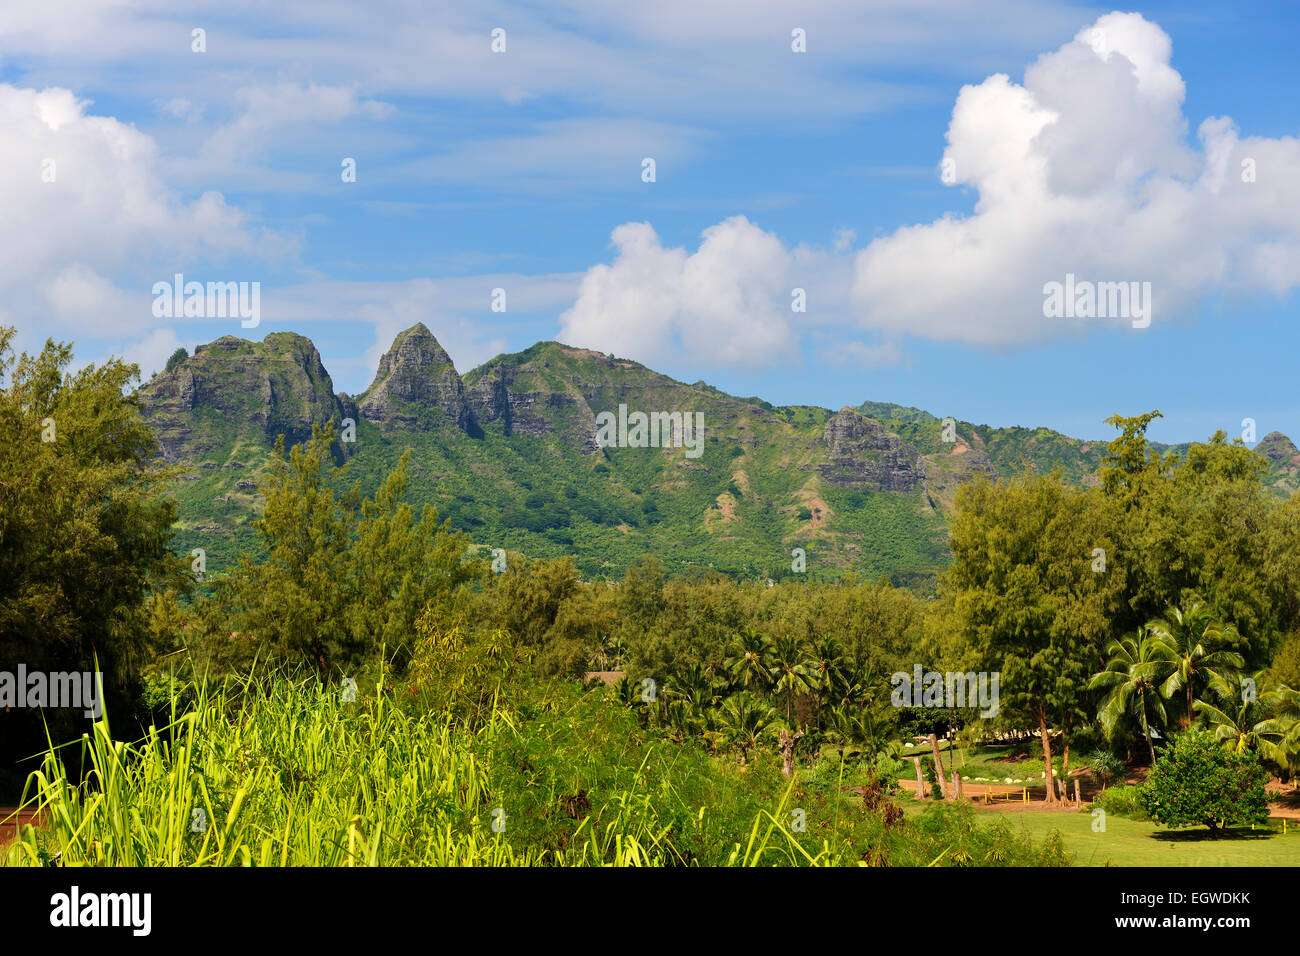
(1196, 781)
(1105, 766)
(1122, 801)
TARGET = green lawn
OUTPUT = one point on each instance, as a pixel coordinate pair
(1134, 843)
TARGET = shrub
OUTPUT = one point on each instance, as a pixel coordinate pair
(1105, 766)
(1122, 801)
(1197, 781)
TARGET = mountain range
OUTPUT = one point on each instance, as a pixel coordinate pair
(510, 454)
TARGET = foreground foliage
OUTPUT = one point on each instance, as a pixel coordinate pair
(284, 772)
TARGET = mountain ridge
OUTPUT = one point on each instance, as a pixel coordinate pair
(508, 453)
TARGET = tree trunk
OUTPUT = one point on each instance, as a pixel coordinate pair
(938, 767)
(920, 781)
(1048, 777)
(1146, 729)
(1065, 743)
(319, 650)
(787, 750)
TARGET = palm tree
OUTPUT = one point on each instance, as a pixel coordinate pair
(791, 670)
(846, 725)
(1282, 729)
(1244, 727)
(694, 697)
(1134, 671)
(829, 668)
(750, 666)
(744, 719)
(1192, 642)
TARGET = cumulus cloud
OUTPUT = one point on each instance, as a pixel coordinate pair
(84, 201)
(1083, 168)
(726, 303)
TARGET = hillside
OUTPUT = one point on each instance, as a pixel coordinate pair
(511, 454)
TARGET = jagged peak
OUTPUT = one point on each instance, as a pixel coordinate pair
(413, 348)
(415, 371)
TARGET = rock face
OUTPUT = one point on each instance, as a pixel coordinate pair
(861, 454)
(551, 390)
(233, 389)
(415, 375)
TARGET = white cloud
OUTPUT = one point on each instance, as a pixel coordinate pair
(178, 107)
(681, 56)
(84, 301)
(727, 303)
(83, 201)
(1083, 169)
(269, 114)
(150, 352)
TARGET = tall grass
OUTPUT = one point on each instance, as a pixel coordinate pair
(283, 772)
(287, 774)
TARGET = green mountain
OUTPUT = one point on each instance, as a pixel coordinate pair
(526, 453)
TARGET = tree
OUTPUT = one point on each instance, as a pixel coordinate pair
(1105, 766)
(84, 528)
(343, 575)
(790, 670)
(177, 357)
(1268, 725)
(745, 718)
(749, 665)
(1026, 598)
(1197, 781)
(1135, 669)
(1201, 526)
(1243, 727)
(828, 670)
(1191, 641)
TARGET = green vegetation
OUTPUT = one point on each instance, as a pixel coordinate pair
(83, 529)
(358, 682)
(1198, 781)
(286, 772)
(1141, 843)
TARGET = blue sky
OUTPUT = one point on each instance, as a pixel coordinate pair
(775, 170)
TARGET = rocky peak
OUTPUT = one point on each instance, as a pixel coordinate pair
(862, 453)
(1277, 447)
(255, 390)
(414, 375)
